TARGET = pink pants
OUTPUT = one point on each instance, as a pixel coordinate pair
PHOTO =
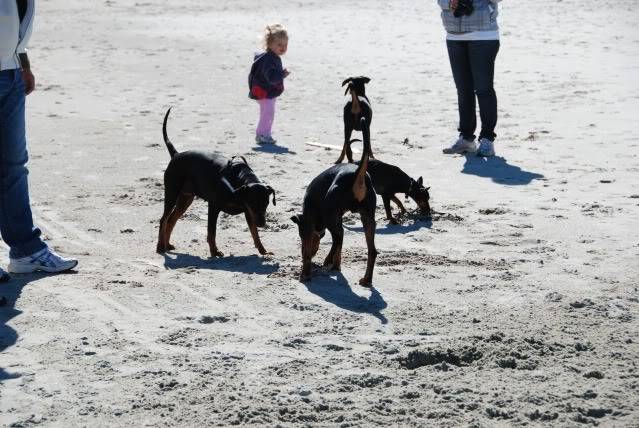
(267, 113)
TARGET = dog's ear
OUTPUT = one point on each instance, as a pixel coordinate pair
(244, 159)
(365, 79)
(297, 219)
(420, 181)
(428, 188)
(350, 79)
(271, 191)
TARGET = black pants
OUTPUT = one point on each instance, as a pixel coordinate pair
(473, 65)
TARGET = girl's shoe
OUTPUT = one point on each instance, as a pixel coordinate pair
(265, 139)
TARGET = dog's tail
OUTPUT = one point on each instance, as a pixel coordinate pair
(359, 185)
(168, 143)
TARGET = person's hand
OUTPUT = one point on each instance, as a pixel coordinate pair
(453, 4)
(286, 72)
(29, 80)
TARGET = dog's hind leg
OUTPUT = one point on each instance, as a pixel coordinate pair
(346, 149)
(212, 230)
(183, 202)
(387, 208)
(170, 200)
(368, 222)
(256, 236)
(399, 204)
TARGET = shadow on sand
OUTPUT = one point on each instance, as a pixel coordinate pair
(334, 288)
(390, 228)
(245, 264)
(499, 170)
(9, 294)
(273, 148)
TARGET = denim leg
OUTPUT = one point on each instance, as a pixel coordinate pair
(482, 54)
(16, 221)
(463, 76)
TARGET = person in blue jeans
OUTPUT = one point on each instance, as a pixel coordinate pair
(27, 251)
(472, 39)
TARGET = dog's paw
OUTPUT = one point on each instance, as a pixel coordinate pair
(365, 282)
(170, 247)
(393, 221)
(266, 253)
(217, 254)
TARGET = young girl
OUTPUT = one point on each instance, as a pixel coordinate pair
(266, 79)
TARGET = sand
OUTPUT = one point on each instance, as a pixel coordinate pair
(516, 304)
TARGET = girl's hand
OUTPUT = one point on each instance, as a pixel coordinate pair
(286, 72)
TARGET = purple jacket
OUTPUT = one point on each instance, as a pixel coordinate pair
(266, 79)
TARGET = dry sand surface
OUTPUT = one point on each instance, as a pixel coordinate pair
(516, 304)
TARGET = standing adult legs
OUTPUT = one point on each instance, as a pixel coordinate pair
(16, 220)
(458, 54)
(482, 55)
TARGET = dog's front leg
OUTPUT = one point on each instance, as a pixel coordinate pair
(211, 231)
(256, 236)
(399, 204)
(334, 258)
(368, 222)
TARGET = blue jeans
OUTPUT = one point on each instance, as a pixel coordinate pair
(473, 65)
(16, 221)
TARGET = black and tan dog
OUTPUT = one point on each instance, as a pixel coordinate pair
(357, 108)
(228, 185)
(341, 188)
(388, 180)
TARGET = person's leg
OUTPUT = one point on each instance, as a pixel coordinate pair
(267, 114)
(482, 55)
(461, 67)
(16, 221)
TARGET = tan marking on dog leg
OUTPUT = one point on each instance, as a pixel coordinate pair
(369, 231)
(256, 237)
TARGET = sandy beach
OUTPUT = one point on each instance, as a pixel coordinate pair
(516, 304)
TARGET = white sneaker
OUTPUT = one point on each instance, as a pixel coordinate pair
(44, 260)
(265, 139)
(4, 276)
(486, 148)
(462, 145)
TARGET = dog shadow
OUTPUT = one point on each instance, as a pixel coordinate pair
(274, 149)
(10, 292)
(391, 229)
(252, 264)
(334, 288)
(499, 170)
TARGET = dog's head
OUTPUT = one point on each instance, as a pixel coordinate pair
(420, 195)
(356, 84)
(310, 243)
(255, 198)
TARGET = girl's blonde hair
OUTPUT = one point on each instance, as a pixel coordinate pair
(273, 32)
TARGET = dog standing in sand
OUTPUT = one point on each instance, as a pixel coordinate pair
(228, 185)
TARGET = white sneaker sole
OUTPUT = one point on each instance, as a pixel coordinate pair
(30, 268)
